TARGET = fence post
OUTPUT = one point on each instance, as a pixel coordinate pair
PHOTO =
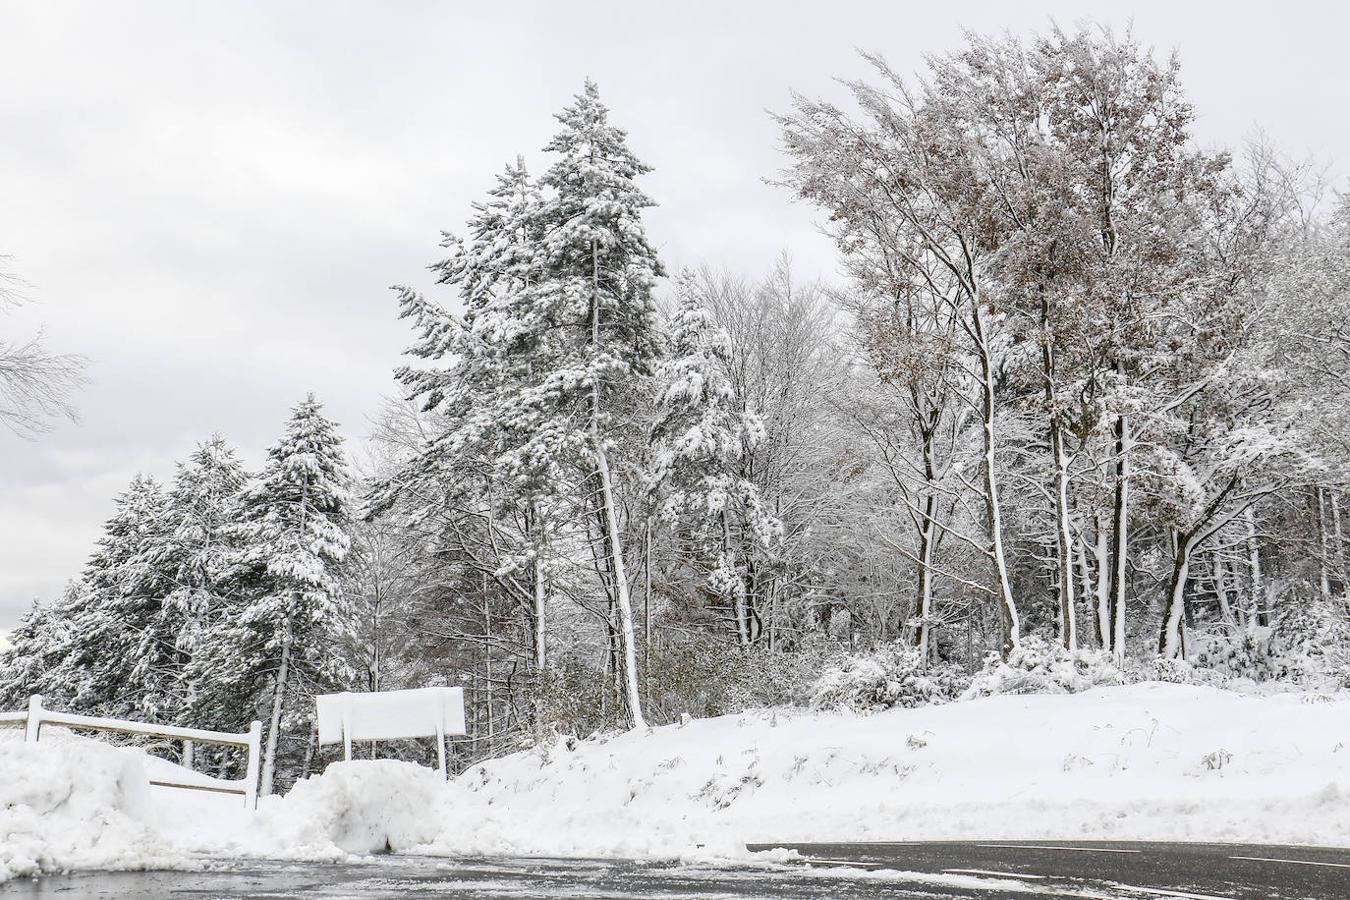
(347, 726)
(440, 743)
(251, 769)
(30, 734)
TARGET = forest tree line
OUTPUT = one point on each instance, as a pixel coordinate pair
(1083, 379)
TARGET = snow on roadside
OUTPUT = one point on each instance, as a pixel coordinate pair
(1146, 761)
(71, 803)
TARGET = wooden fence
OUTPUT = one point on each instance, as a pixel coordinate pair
(36, 716)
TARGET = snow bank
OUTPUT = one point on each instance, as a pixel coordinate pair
(363, 806)
(1146, 761)
(71, 803)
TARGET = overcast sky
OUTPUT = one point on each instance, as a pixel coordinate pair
(209, 200)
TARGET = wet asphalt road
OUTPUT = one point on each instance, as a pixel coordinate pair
(989, 870)
(1238, 871)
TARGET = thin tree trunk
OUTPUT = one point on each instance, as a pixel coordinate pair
(1258, 585)
(487, 661)
(1337, 537)
(1009, 621)
(623, 603)
(739, 610)
(1101, 585)
(1068, 625)
(1221, 588)
(1068, 620)
(924, 601)
(1120, 544)
(540, 620)
(1324, 546)
(647, 606)
(1084, 575)
(1171, 643)
(278, 702)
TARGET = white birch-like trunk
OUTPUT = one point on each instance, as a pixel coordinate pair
(1258, 585)
(1171, 642)
(623, 603)
(1008, 617)
(269, 762)
(540, 613)
(1101, 583)
(1221, 588)
(1080, 563)
(1324, 546)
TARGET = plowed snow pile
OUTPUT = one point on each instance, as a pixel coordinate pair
(1148, 761)
(70, 803)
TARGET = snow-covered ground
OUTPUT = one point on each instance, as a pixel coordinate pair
(1150, 760)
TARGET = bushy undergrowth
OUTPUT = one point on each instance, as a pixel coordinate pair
(1039, 666)
(1307, 646)
(708, 677)
(890, 676)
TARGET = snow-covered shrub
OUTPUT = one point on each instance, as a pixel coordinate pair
(1178, 671)
(1172, 671)
(1039, 666)
(1311, 642)
(890, 676)
(1238, 653)
(1308, 644)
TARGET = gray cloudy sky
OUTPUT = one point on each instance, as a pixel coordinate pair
(209, 200)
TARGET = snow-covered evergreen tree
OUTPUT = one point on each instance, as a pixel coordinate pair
(40, 648)
(196, 551)
(699, 438)
(486, 462)
(125, 588)
(596, 276)
(282, 634)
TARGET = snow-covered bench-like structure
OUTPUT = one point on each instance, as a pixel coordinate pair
(392, 715)
(36, 716)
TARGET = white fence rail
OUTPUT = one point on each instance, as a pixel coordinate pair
(249, 741)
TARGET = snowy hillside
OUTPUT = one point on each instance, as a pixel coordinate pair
(1145, 761)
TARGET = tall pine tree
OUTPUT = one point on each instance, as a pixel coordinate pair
(289, 617)
(596, 276)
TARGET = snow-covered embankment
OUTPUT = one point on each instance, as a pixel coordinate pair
(1158, 761)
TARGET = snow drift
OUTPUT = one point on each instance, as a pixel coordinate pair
(1145, 761)
(72, 803)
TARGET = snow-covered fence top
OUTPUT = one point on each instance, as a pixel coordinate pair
(391, 715)
(249, 741)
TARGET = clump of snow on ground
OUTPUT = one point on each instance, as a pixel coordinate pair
(70, 803)
(1144, 761)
